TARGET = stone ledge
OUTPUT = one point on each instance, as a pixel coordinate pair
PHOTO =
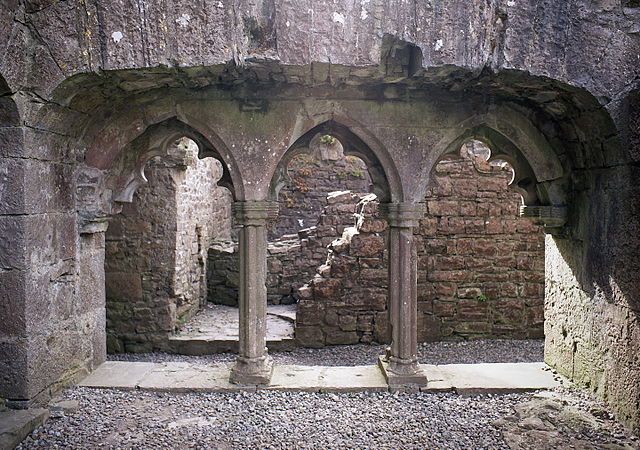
(15, 425)
(465, 379)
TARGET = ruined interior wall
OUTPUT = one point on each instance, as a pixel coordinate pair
(592, 300)
(155, 259)
(301, 202)
(292, 260)
(140, 265)
(480, 266)
(203, 215)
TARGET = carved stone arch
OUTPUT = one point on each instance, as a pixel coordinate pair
(157, 141)
(539, 176)
(356, 141)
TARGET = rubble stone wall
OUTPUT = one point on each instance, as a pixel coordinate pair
(480, 266)
(312, 178)
(292, 260)
(156, 252)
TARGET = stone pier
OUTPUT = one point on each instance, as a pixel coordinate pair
(253, 365)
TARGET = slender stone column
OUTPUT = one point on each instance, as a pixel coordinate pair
(400, 365)
(253, 365)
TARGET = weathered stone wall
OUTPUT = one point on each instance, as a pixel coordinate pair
(156, 251)
(292, 260)
(203, 215)
(480, 269)
(592, 298)
(312, 178)
(51, 277)
(480, 266)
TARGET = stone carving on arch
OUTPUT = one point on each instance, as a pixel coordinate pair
(538, 174)
(116, 185)
(356, 141)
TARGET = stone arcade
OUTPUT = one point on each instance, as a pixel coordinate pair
(92, 92)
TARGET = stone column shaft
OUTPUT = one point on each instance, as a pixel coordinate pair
(402, 359)
(253, 365)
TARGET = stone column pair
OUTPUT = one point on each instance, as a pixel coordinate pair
(400, 364)
(253, 365)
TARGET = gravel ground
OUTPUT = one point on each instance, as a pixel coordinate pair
(137, 419)
(270, 419)
(481, 351)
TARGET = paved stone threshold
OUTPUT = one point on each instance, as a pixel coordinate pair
(214, 329)
(469, 379)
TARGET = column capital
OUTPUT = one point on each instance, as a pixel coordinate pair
(255, 213)
(402, 214)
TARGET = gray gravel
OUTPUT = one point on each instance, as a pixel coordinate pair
(480, 351)
(270, 419)
(136, 419)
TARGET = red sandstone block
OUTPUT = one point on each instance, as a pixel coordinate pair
(428, 328)
(426, 291)
(373, 226)
(451, 225)
(484, 247)
(493, 184)
(443, 208)
(494, 225)
(448, 263)
(467, 208)
(444, 309)
(532, 290)
(448, 275)
(474, 225)
(327, 288)
(445, 289)
(367, 245)
(473, 310)
(436, 246)
(466, 188)
(463, 246)
(475, 263)
(508, 290)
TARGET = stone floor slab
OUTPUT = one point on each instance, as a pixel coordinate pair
(466, 379)
(214, 329)
(15, 425)
(185, 377)
(469, 379)
(118, 374)
(327, 379)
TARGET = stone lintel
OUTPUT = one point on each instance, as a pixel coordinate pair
(402, 214)
(252, 371)
(548, 215)
(399, 375)
(255, 213)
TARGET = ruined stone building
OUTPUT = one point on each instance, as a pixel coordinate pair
(156, 156)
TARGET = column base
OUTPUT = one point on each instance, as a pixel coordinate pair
(252, 370)
(401, 374)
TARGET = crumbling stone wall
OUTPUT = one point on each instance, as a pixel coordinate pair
(480, 266)
(156, 251)
(292, 260)
(313, 177)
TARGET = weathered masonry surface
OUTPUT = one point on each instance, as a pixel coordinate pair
(156, 250)
(550, 87)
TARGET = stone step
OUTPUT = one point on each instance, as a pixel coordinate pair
(465, 379)
(16, 424)
(197, 346)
